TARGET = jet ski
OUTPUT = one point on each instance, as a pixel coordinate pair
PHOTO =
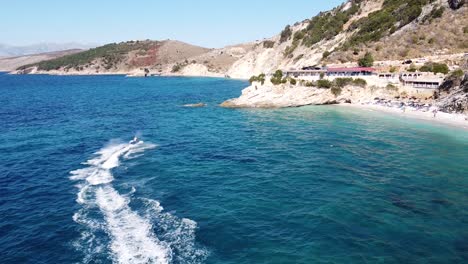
(135, 141)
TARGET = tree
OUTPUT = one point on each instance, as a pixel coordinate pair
(440, 68)
(286, 34)
(277, 77)
(435, 68)
(292, 81)
(367, 60)
(260, 78)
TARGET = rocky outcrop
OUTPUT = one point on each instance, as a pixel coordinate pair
(286, 95)
(456, 4)
(453, 96)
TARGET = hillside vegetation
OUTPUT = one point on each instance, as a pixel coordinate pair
(122, 57)
(110, 54)
(393, 16)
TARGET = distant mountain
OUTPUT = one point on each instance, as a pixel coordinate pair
(14, 51)
(11, 63)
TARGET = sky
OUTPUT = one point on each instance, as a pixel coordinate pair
(208, 23)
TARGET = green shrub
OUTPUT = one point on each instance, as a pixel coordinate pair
(465, 30)
(309, 84)
(260, 78)
(288, 51)
(286, 34)
(457, 74)
(325, 26)
(300, 56)
(292, 81)
(326, 54)
(412, 68)
(277, 77)
(435, 68)
(440, 68)
(392, 87)
(268, 44)
(324, 84)
(393, 15)
(435, 13)
(360, 82)
(176, 68)
(336, 91)
(298, 35)
(367, 60)
(342, 82)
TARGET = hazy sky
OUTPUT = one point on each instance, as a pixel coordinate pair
(210, 23)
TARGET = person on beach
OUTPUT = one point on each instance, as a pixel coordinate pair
(434, 112)
(403, 109)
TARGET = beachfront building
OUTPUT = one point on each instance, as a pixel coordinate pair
(350, 72)
(306, 74)
(412, 81)
(315, 73)
(420, 80)
(423, 82)
(388, 75)
(411, 75)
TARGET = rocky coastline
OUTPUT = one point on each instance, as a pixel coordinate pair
(449, 105)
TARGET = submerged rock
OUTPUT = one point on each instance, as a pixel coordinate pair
(195, 105)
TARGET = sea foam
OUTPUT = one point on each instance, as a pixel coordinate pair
(131, 234)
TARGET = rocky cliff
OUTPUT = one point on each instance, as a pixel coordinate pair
(390, 30)
(453, 95)
(268, 95)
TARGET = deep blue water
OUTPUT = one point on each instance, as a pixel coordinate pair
(212, 185)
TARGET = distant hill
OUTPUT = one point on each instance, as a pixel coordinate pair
(12, 63)
(14, 51)
(122, 57)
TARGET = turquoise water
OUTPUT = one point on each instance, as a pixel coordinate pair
(212, 185)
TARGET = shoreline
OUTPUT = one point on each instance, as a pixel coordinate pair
(126, 74)
(453, 120)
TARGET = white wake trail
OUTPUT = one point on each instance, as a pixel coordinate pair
(131, 235)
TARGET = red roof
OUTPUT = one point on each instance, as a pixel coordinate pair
(352, 69)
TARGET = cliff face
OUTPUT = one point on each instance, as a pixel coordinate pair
(287, 95)
(454, 96)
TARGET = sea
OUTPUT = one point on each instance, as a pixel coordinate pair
(316, 184)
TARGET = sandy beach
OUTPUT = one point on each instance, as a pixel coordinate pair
(456, 120)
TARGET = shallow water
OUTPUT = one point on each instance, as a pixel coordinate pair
(213, 185)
